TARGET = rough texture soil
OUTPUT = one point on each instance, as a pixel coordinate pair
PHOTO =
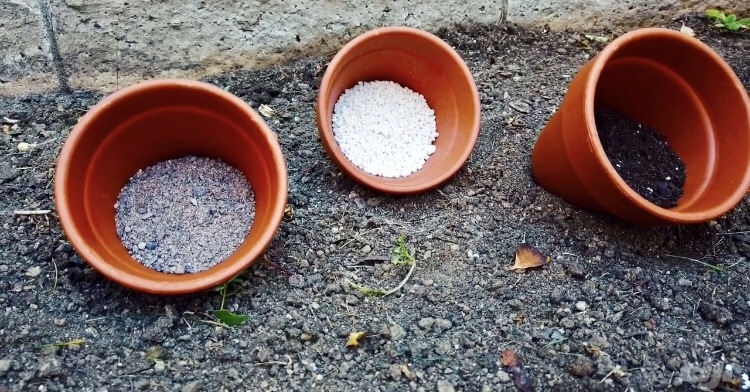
(612, 311)
(184, 215)
(643, 159)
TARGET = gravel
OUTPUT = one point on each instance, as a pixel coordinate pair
(184, 215)
(384, 128)
(659, 330)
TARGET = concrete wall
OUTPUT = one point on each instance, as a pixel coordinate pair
(103, 44)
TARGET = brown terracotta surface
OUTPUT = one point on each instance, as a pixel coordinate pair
(674, 84)
(151, 122)
(423, 63)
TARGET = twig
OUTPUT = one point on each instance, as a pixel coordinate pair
(32, 212)
(75, 342)
(288, 363)
(214, 323)
(614, 370)
(703, 263)
(54, 286)
(276, 266)
(386, 292)
(734, 232)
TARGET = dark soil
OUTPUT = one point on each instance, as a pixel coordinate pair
(618, 308)
(642, 157)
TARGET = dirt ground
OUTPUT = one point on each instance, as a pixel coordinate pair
(619, 308)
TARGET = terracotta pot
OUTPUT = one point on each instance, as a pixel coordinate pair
(152, 122)
(424, 63)
(668, 81)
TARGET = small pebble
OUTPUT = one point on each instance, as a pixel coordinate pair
(23, 147)
(445, 386)
(581, 305)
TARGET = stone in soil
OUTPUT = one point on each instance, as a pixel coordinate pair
(184, 215)
(643, 159)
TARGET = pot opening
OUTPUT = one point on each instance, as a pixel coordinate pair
(654, 133)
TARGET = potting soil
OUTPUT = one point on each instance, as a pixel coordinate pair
(184, 215)
(643, 159)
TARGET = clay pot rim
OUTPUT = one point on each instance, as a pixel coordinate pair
(589, 99)
(376, 182)
(186, 283)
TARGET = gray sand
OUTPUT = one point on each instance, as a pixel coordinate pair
(184, 215)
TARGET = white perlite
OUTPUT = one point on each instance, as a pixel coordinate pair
(384, 129)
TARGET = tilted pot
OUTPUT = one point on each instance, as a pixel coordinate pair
(674, 84)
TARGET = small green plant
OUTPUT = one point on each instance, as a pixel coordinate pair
(72, 343)
(728, 22)
(224, 315)
(400, 257)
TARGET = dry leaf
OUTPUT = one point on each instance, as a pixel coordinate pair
(594, 351)
(407, 373)
(598, 38)
(266, 110)
(529, 257)
(510, 360)
(354, 338)
(6, 128)
(687, 31)
(288, 212)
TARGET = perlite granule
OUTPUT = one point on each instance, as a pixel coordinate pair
(384, 128)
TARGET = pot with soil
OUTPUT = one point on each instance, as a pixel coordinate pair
(398, 110)
(170, 186)
(655, 130)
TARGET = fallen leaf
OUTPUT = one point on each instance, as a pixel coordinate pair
(266, 110)
(529, 257)
(594, 351)
(687, 31)
(521, 106)
(407, 373)
(354, 338)
(510, 360)
(649, 324)
(288, 212)
(155, 352)
(6, 128)
(230, 318)
(598, 38)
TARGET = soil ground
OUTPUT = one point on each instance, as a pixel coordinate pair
(619, 308)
